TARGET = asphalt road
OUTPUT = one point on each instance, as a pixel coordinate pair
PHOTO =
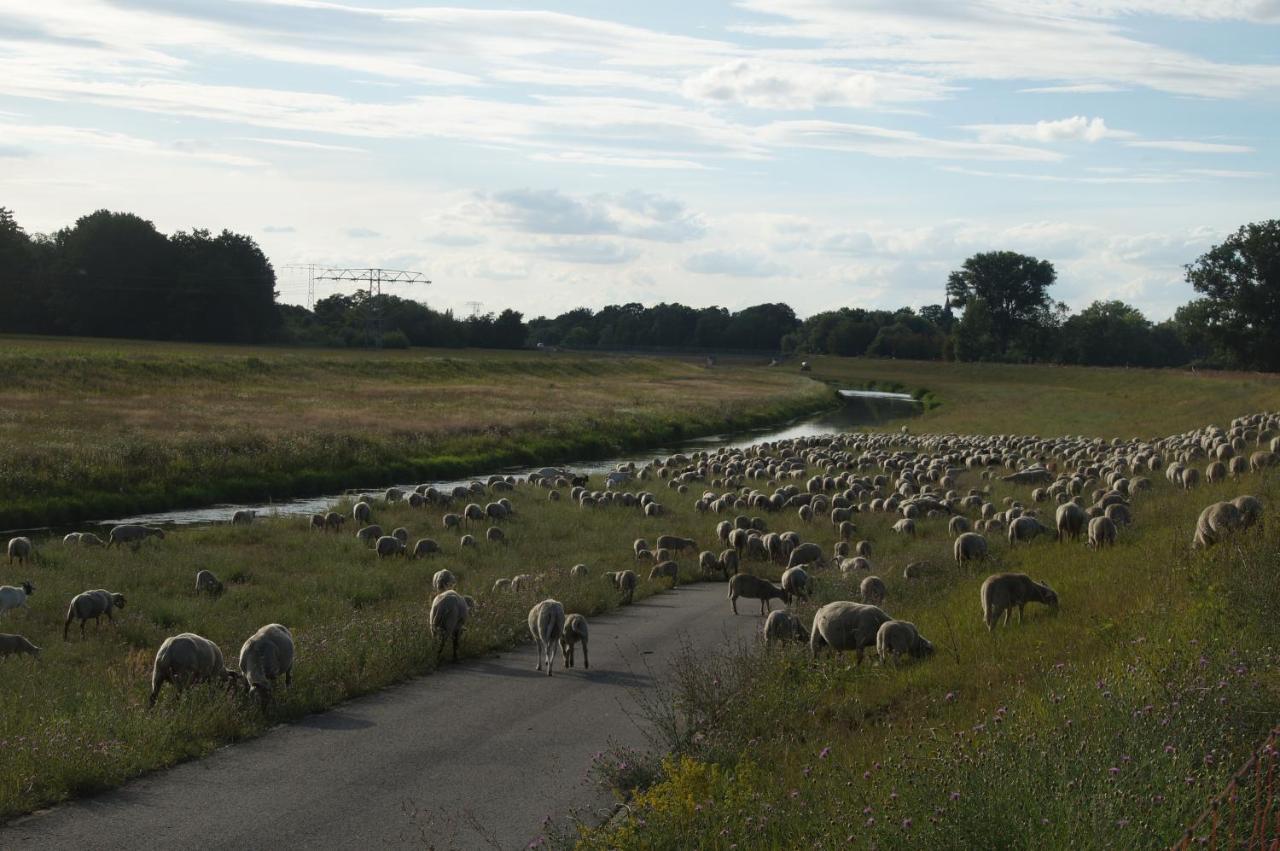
(476, 755)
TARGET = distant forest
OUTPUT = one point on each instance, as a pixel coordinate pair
(114, 275)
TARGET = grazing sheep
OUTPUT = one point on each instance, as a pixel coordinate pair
(781, 625)
(449, 612)
(917, 570)
(729, 562)
(1250, 510)
(523, 582)
(20, 548)
(264, 656)
(796, 582)
(958, 525)
(502, 585)
(676, 544)
(88, 539)
(494, 535)
(1102, 532)
(473, 512)
(1215, 522)
(317, 523)
(1070, 520)
(133, 535)
(546, 625)
(708, 563)
(370, 534)
(575, 630)
(1262, 459)
(452, 521)
(1119, 514)
(12, 597)
(639, 545)
(845, 625)
(362, 512)
(207, 583)
(897, 638)
(863, 548)
(333, 520)
(668, 569)
(92, 604)
(443, 580)
(389, 546)
(11, 644)
(872, 589)
(1215, 472)
(401, 534)
(187, 659)
(852, 565)
(905, 526)
(1024, 528)
(627, 580)
(243, 517)
(1003, 592)
(970, 547)
(840, 550)
(1190, 478)
(755, 588)
(579, 571)
(424, 547)
(806, 554)
(466, 541)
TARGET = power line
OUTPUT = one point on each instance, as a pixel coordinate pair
(373, 280)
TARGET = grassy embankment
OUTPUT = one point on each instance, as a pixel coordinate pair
(1109, 725)
(97, 428)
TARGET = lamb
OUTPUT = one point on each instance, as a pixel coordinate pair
(317, 523)
(668, 569)
(1070, 520)
(970, 547)
(872, 589)
(796, 582)
(901, 637)
(626, 581)
(844, 625)
(676, 544)
(92, 604)
(1102, 532)
(1024, 528)
(424, 547)
(243, 517)
(12, 597)
(362, 512)
(370, 534)
(1003, 592)
(546, 625)
(449, 612)
(133, 535)
(264, 656)
(755, 588)
(187, 659)
(443, 580)
(575, 630)
(207, 583)
(11, 644)
(20, 548)
(639, 545)
(333, 520)
(806, 554)
(781, 625)
(1215, 522)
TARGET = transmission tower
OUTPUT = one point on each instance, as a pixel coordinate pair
(373, 279)
(475, 307)
(310, 269)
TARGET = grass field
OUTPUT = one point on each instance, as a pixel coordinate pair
(98, 428)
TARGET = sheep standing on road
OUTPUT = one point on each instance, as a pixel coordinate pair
(898, 638)
(20, 549)
(755, 588)
(668, 570)
(546, 625)
(92, 604)
(449, 611)
(264, 656)
(187, 659)
(845, 625)
(627, 580)
(14, 644)
(1003, 592)
(12, 597)
(207, 583)
(575, 630)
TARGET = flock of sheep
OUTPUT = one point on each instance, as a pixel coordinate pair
(1080, 487)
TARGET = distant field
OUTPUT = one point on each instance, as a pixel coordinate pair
(1061, 400)
(94, 428)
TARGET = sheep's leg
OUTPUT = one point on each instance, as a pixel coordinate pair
(541, 652)
(764, 606)
(457, 636)
(734, 601)
(1020, 607)
(586, 663)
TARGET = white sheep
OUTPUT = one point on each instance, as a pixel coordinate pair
(13, 644)
(753, 587)
(20, 548)
(844, 625)
(546, 625)
(243, 517)
(132, 534)
(626, 581)
(424, 547)
(970, 546)
(389, 546)
(362, 512)
(796, 581)
(872, 589)
(15, 597)
(187, 659)
(579, 571)
(1003, 592)
(898, 638)
(443, 580)
(207, 583)
(92, 604)
(1102, 532)
(264, 656)
(575, 630)
(449, 612)
(781, 625)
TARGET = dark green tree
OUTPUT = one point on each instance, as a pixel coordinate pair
(1240, 281)
(1015, 290)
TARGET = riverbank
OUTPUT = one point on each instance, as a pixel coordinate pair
(98, 428)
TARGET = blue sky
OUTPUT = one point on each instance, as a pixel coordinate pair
(821, 152)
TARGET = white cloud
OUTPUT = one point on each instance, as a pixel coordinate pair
(584, 250)
(1078, 128)
(795, 85)
(884, 142)
(1188, 146)
(738, 262)
(548, 211)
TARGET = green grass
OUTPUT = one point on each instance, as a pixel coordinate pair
(96, 428)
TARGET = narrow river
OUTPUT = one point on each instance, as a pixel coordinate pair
(860, 409)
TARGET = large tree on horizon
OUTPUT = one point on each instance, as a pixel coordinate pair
(1013, 287)
(1240, 280)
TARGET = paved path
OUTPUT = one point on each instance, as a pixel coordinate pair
(474, 756)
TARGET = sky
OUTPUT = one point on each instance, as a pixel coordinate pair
(825, 153)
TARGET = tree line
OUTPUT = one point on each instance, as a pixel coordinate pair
(113, 274)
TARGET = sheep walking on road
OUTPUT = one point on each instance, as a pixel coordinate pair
(575, 631)
(755, 588)
(449, 612)
(546, 625)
